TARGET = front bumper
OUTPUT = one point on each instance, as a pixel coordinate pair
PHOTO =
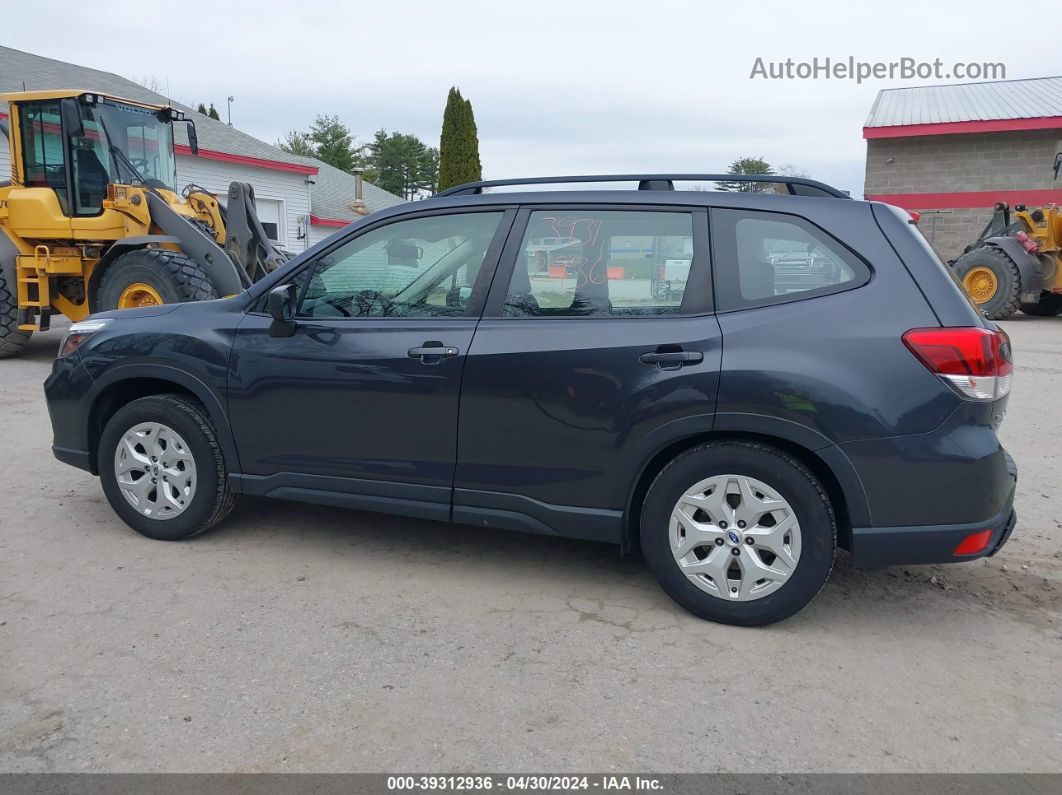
(891, 546)
(66, 391)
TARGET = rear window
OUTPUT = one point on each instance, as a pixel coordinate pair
(766, 258)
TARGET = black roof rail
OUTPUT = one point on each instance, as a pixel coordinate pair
(797, 186)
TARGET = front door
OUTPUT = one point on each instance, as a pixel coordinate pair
(362, 401)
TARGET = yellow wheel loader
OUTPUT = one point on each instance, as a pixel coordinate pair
(1016, 263)
(91, 219)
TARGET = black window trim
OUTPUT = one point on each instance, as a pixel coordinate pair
(474, 309)
(804, 295)
(700, 266)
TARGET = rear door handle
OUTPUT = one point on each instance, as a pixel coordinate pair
(671, 360)
(432, 352)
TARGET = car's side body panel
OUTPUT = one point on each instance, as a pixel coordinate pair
(546, 424)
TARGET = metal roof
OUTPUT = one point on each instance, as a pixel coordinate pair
(1036, 97)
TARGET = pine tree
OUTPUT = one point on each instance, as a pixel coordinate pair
(333, 143)
(750, 166)
(458, 144)
(213, 112)
(298, 143)
(201, 109)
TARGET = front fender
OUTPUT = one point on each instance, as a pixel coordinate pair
(213, 402)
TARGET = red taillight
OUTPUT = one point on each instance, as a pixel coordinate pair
(973, 543)
(915, 217)
(975, 361)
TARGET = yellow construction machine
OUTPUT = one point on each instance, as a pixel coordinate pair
(92, 219)
(1016, 263)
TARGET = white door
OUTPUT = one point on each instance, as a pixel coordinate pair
(270, 213)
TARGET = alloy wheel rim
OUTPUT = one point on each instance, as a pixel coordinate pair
(980, 284)
(155, 470)
(735, 537)
(139, 294)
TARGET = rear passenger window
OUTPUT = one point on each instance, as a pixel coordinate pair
(765, 258)
(601, 263)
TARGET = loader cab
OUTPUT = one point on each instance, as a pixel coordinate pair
(79, 145)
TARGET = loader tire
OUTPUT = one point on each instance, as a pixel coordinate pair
(1049, 305)
(152, 276)
(992, 281)
(12, 340)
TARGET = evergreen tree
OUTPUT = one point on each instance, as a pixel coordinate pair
(333, 143)
(201, 109)
(401, 164)
(213, 112)
(298, 143)
(458, 144)
(751, 166)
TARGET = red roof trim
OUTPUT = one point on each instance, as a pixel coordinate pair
(317, 220)
(956, 127)
(953, 201)
(243, 160)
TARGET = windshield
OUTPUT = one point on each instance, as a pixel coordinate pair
(143, 136)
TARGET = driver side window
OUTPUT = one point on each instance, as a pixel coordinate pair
(421, 267)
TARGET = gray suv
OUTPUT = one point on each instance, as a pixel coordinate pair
(735, 383)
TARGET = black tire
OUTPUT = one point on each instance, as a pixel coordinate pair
(212, 500)
(12, 341)
(781, 472)
(1005, 301)
(175, 277)
(1050, 304)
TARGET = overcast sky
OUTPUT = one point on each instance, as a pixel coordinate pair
(562, 87)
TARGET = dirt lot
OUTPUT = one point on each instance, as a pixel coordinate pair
(300, 638)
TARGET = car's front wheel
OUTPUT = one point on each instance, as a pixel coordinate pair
(738, 532)
(162, 468)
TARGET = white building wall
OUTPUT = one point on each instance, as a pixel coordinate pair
(319, 233)
(5, 160)
(289, 188)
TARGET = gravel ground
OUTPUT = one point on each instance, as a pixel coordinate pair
(297, 638)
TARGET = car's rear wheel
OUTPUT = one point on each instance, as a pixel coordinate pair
(162, 468)
(738, 532)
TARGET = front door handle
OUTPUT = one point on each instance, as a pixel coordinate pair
(671, 360)
(433, 352)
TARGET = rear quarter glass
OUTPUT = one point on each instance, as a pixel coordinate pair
(949, 301)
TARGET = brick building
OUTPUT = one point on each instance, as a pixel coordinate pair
(951, 152)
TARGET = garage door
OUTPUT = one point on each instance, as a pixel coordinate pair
(269, 213)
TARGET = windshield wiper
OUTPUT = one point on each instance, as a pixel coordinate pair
(119, 155)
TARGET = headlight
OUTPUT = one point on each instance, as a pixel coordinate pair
(78, 334)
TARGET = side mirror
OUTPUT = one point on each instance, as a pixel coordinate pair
(282, 305)
(1058, 164)
(193, 139)
(71, 115)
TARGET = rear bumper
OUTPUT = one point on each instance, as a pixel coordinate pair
(890, 546)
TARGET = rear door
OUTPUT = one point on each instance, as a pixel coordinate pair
(598, 340)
